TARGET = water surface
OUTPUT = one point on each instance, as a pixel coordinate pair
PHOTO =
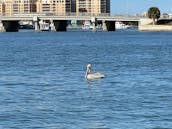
(42, 81)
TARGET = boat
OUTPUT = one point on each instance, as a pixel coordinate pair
(44, 26)
(87, 25)
(120, 25)
(26, 25)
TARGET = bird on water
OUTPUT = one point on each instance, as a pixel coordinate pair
(91, 76)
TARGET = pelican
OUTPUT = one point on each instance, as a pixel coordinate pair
(91, 76)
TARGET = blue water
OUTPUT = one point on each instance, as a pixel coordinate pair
(42, 83)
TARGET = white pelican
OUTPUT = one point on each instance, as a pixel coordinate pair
(91, 76)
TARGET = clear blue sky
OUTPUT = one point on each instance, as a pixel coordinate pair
(139, 6)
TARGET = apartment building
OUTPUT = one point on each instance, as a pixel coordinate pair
(57, 7)
(73, 6)
(11, 7)
(105, 6)
(23, 6)
(2, 6)
(93, 7)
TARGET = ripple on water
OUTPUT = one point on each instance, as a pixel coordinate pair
(43, 85)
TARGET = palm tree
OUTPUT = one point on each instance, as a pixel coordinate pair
(154, 14)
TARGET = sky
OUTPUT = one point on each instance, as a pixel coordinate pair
(139, 6)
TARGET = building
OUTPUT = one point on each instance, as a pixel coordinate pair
(105, 6)
(73, 6)
(93, 7)
(57, 7)
(11, 7)
(8, 7)
(2, 8)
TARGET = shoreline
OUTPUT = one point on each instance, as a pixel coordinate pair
(155, 28)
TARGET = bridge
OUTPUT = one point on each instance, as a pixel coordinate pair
(58, 23)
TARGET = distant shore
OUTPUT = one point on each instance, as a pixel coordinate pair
(155, 28)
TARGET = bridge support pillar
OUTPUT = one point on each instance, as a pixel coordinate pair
(36, 23)
(104, 27)
(52, 26)
(37, 26)
(94, 26)
(2, 29)
(59, 25)
(94, 20)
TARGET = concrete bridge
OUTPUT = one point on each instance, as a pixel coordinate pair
(59, 23)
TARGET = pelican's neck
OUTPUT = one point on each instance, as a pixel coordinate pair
(87, 72)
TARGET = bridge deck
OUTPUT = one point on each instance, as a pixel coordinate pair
(53, 17)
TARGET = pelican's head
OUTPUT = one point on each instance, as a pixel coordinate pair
(89, 66)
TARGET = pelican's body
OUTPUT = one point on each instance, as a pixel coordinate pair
(91, 76)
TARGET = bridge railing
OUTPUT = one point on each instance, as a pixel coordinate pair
(54, 14)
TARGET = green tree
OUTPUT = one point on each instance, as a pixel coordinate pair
(154, 14)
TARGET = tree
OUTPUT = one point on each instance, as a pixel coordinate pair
(154, 14)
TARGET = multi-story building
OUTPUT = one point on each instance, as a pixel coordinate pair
(2, 6)
(11, 7)
(73, 6)
(57, 7)
(93, 7)
(8, 9)
(105, 6)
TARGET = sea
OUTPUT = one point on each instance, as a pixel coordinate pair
(42, 84)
